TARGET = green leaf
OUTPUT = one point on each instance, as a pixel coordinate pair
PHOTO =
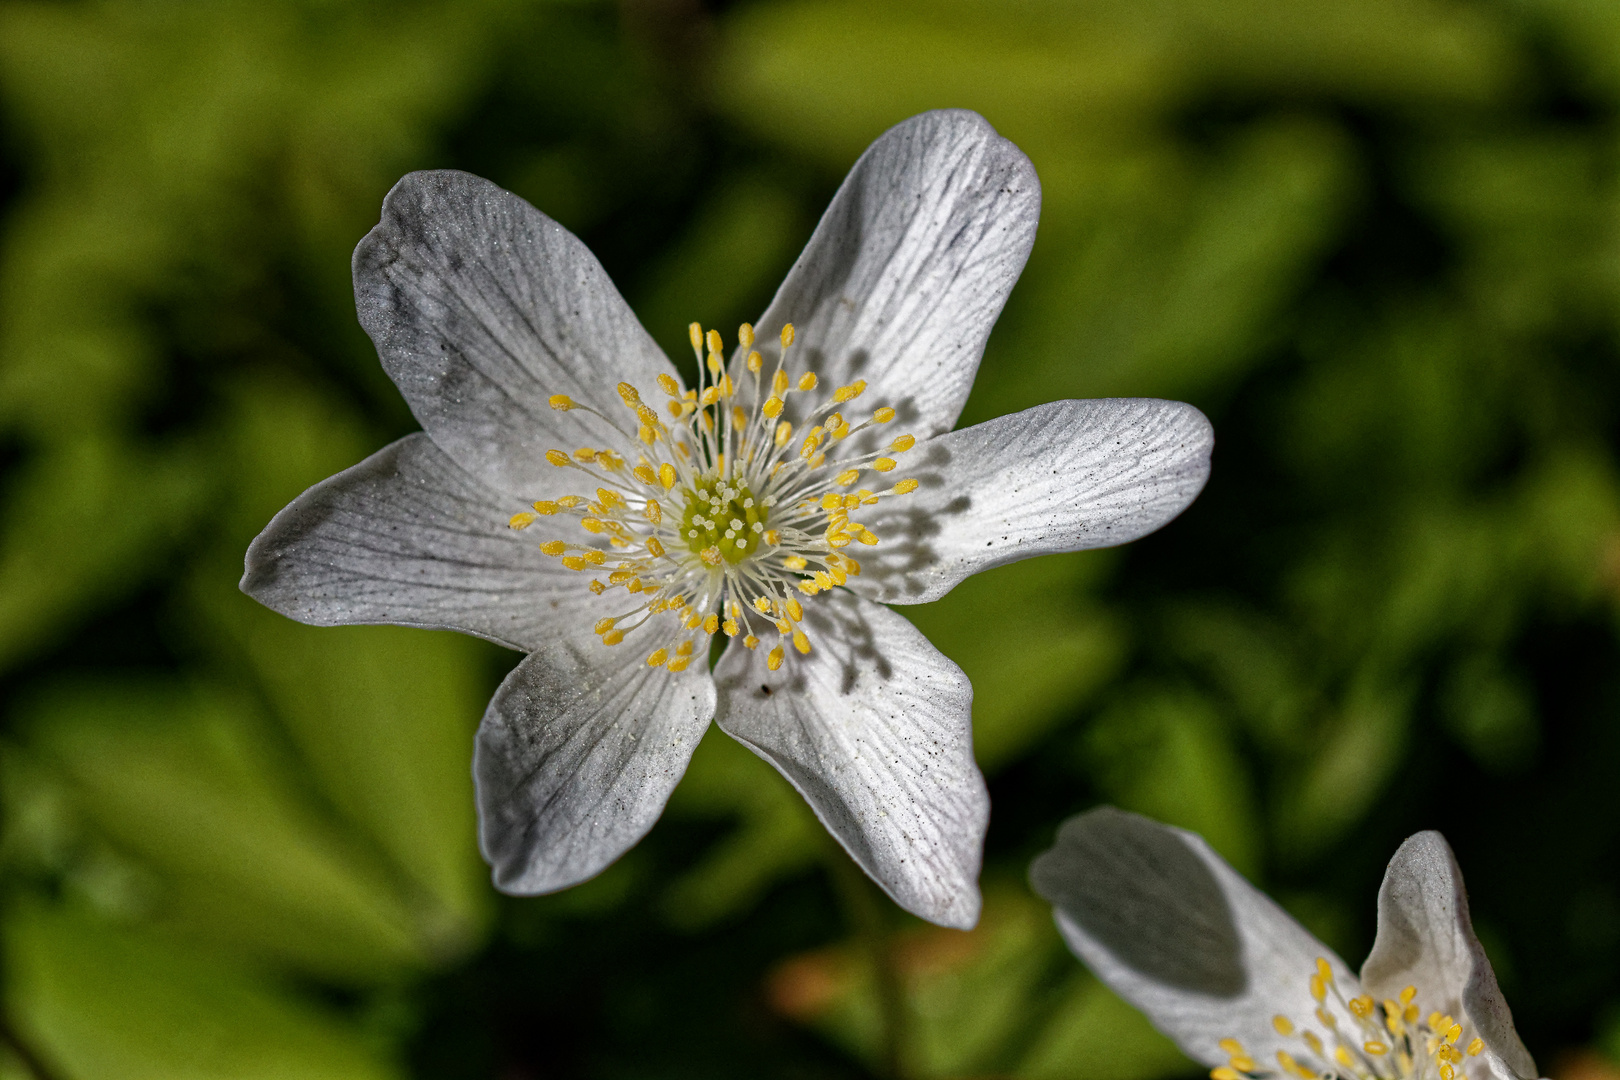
(112, 1004)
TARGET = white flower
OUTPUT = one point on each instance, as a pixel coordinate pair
(1242, 987)
(569, 496)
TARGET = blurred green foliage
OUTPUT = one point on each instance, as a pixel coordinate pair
(1378, 241)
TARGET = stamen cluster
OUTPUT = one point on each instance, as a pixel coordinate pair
(728, 515)
(1389, 1040)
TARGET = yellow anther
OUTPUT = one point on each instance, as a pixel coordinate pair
(1283, 1025)
(695, 333)
(1453, 1033)
(668, 385)
(1314, 1041)
(1318, 989)
(739, 419)
(809, 445)
(883, 415)
(521, 521)
(794, 562)
(1410, 1014)
(1230, 1047)
(868, 537)
(779, 382)
(647, 415)
(676, 409)
(903, 443)
(905, 487)
(1323, 968)
(666, 475)
(773, 537)
(1342, 1056)
(679, 663)
(801, 642)
(610, 459)
(1290, 1066)
(755, 362)
(715, 342)
(613, 637)
(711, 623)
(654, 547)
(809, 588)
(1475, 1047)
(772, 407)
(762, 605)
(850, 392)
(714, 365)
(784, 432)
(546, 506)
(711, 556)
(1328, 1019)
(837, 574)
(884, 464)
(1224, 1072)
(573, 562)
(1408, 994)
(745, 335)
(1362, 1006)
(631, 396)
(807, 381)
(553, 547)
(603, 626)
(694, 621)
(685, 648)
(1375, 1048)
(654, 512)
(730, 627)
(557, 458)
(1446, 1071)
(585, 454)
(596, 587)
(657, 658)
(847, 477)
(561, 402)
(621, 577)
(591, 525)
(831, 501)
(711, 394)
(570, 501)
(1242, 1063)
(750, 642)
(1436, 1021)
(774, 660)
(595, 558)
(787, 334)
(645, 474)
(795, 610)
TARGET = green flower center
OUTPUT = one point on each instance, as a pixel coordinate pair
(722, 519)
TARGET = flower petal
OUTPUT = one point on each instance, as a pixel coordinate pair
(576, 757)
(874, 729)
(1062, 476)
(1426, 939)
(910, 266)
(407, 537)
(1175, 931)
(482, 308)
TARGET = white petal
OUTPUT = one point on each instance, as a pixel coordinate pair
(407, 537)
(1175, 931)
(1426, 939)
(1062, 476)
(910, 266)
(576, 758)
(482, 308)
(874, 729)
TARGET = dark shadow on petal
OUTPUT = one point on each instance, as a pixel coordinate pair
(1138, 888)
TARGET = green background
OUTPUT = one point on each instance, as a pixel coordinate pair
(1377, 241)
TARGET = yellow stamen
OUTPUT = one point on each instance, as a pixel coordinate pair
(774, 660)
(1283, 1025)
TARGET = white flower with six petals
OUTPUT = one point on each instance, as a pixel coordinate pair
(735, 508)
(1240, 986)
